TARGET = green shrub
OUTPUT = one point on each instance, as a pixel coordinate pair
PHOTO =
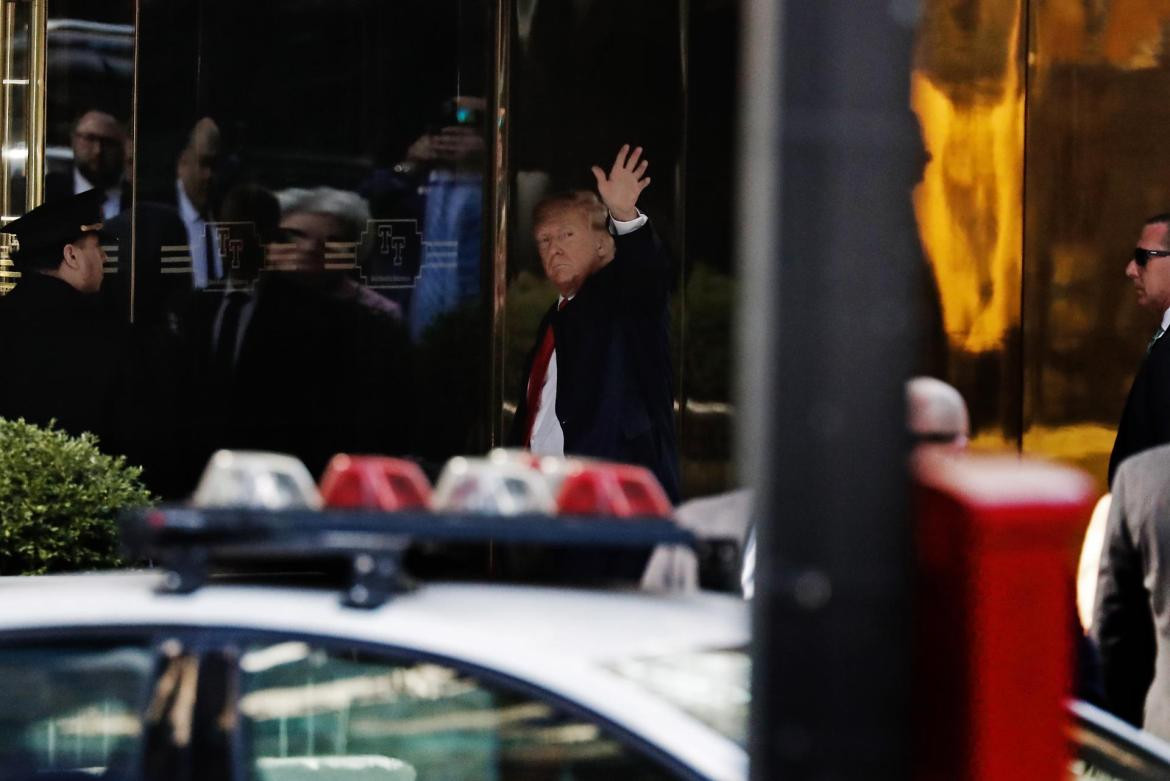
(59, 498)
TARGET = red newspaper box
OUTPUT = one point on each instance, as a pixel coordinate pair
(995, 643)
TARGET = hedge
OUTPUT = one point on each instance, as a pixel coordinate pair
(59, 499)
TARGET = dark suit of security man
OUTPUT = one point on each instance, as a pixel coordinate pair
(598, 381)
(62, 360)
(1145, 421)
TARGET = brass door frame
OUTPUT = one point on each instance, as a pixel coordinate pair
(7, 35)
(34, 118)
(35, 101)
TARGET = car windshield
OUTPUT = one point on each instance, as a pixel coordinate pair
(714, 686)
(72, 709)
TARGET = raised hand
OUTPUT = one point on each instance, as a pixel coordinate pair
(621, 188)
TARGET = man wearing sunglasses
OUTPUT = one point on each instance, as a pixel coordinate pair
(1145, 422)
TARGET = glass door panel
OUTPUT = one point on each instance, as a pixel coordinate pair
(308, 224)
(66, 80)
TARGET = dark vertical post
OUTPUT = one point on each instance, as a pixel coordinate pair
(829, 155)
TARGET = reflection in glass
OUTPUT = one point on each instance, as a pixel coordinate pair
(968, 93)
(307, 227)
(72, 709)
(231, 112)
(304, 705)
(1096, 170)
(1042, 334)
(88, 117)
(713, 686)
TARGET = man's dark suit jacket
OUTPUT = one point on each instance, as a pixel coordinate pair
(315, 374)
(614, 390)
(1145, 422)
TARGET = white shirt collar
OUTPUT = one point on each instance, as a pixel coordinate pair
(187, 209)
(80, 183)
(1166, 320)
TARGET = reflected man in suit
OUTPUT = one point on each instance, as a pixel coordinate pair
(1145, 421)
(194, 190)
(99, 144)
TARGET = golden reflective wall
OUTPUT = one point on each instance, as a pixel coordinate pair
(1045, 123)
(967, 90)
(1097, 165)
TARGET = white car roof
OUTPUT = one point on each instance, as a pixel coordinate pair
(558, 639)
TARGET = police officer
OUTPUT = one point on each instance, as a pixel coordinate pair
(59, 357)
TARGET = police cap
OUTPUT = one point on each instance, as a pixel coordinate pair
(43, 232)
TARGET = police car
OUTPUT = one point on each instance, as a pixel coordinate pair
(299, 643)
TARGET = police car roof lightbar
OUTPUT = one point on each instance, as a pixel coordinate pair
(191, 542)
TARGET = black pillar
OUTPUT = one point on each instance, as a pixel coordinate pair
(830, 152)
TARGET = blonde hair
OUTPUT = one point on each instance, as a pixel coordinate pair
(575, 200)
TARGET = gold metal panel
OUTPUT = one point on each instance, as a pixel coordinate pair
(967, 90)
(1097, 166)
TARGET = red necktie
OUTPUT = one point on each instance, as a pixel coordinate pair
(537, 376)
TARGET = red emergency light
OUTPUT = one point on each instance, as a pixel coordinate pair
(619, 490)
(374, 482)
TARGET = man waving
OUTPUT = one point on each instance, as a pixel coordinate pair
(598, 381)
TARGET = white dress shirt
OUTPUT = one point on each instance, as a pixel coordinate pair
(111, 206)
(197, 241)
(548, 438)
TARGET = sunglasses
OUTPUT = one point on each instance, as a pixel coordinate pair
(1142, 256)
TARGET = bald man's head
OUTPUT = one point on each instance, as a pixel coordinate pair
(198, 161)
(936, 413)
(99, 148)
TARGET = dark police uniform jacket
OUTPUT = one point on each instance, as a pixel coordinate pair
(614, 388)
(60, 359)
